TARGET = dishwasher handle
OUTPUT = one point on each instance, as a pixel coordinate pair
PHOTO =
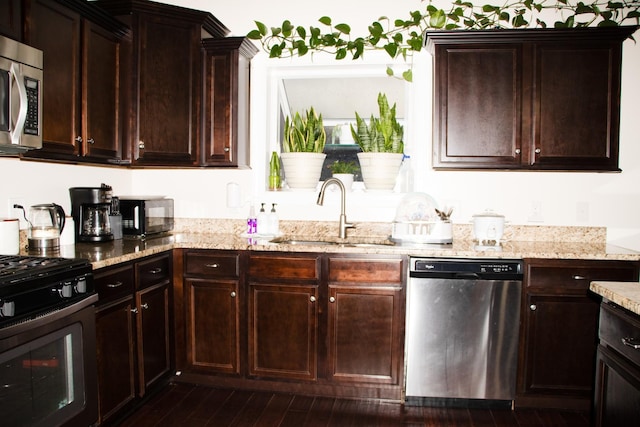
(464, 275)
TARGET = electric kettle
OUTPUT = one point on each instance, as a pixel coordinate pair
(46, 223)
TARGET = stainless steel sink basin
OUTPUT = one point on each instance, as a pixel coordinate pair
(348, 242)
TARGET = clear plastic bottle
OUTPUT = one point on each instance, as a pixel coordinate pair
(405, 176)
(252, 221)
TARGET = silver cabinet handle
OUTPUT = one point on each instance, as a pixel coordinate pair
(114, 285)
(141, 145)
(233, 294)
(79, 139)
(332, 299)
(537, 150)
(312, 298)
(214, 265)
(134, 310)
(533, 307)
(578, 277)
(155, 270)
(145, 306)
(91, 141)
(517, 151)
(631, 342)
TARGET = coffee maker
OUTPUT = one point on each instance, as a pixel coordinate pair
(90, 209)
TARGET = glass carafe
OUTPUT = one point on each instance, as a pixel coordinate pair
(95, 220)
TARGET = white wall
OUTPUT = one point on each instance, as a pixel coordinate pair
(608, 199)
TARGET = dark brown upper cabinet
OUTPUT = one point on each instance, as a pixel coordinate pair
(226, 101)
(81, 99)
(163, 91)
(537, 99)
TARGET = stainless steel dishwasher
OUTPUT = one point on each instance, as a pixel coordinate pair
(462, 332)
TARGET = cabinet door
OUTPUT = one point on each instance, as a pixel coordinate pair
(100, 128)
(364, 334)
(153, 334)
(226, 101)
(477, 106)
(11, 19)
(561, 359)
(617, 401)
(115, 342)
(167, 91)
(56, 30)
(283, 338)
(213, 325)
(577, 105)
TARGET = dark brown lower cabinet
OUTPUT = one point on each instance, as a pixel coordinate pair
(559, 330)
(132, 331)
(617, 396)
(318, 324)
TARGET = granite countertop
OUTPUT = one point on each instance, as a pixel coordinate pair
(110, 253)
(625, 294)
(369, 238)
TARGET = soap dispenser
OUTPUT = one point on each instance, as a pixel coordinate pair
(263, 221)
(274, 222)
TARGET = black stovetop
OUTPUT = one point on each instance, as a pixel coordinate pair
(31, 285)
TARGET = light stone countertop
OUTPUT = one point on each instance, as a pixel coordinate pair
(625, 294)
(576, 243)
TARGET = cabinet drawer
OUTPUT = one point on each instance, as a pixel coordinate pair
(365, 270)
(284, 267)
(618, 327)
(153, 271)
(577, 274)
(211, 264)
(114, 282)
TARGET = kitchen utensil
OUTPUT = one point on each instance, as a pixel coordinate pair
(46, 222)
(91, 210)
(418, 220)
(488, 227)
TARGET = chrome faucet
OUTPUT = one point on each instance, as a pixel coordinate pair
(343, 217)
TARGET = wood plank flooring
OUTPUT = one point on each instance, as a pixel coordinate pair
(194, 406)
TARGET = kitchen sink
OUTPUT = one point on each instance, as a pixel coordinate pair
(348, 242)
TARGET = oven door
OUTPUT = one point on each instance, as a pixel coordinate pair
(48, 369)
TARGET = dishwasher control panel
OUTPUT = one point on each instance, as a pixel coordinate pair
(467, 268)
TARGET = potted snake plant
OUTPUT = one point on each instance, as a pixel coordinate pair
(381, 142)
(302, 149)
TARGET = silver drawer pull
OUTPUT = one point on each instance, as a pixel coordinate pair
(634, 343)
(114, 285)
(578, 277)
(155, 270)
(215, 265)
(145, 306)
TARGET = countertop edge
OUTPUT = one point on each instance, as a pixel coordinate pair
(625, 294)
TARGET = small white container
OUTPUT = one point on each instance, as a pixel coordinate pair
(9, 236)
(488, 227)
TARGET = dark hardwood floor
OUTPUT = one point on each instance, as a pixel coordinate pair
(192, 406)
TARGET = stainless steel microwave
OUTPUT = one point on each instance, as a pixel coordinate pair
(20, 97)
(144, 216)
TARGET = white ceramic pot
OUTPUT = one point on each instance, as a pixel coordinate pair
(380, 170)
(346, 178)
(488, 227)
(302, 170)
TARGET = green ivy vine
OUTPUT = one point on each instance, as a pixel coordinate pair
(403, 37)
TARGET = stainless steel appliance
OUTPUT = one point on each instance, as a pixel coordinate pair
(146, 215)
(91, 209)
(46, 223)
(48, 373)
(462, 331)
(20, 97)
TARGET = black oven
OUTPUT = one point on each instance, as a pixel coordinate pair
(48, 374)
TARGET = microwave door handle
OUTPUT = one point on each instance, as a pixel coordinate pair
(16, 75)
(136, 217)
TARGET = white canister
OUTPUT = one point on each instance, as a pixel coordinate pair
(488, 227)
(68, 236)
(9, 236)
